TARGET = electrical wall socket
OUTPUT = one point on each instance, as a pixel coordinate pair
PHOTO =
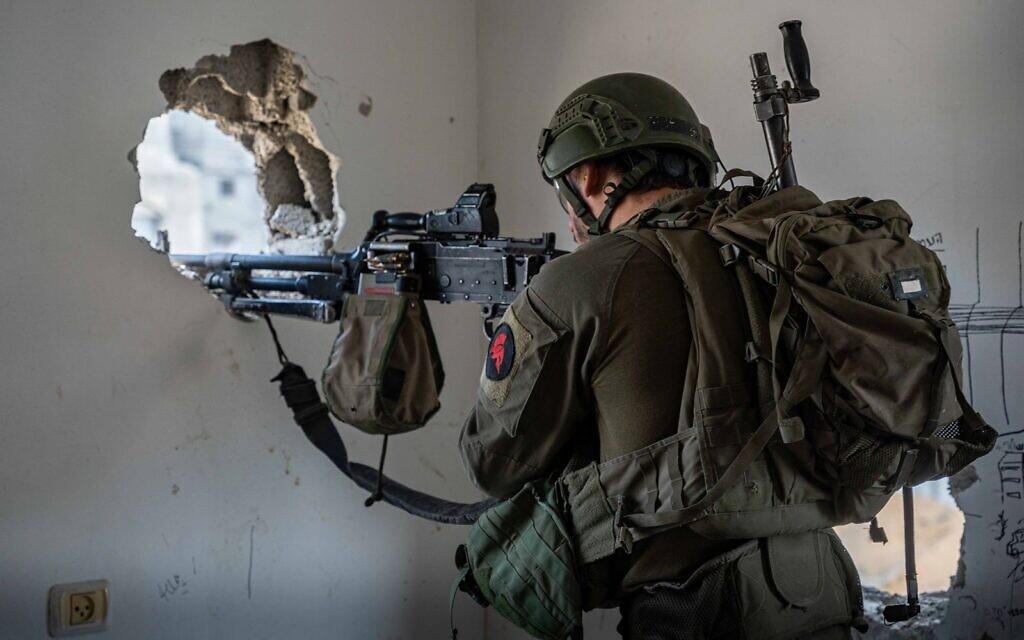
(77, 608)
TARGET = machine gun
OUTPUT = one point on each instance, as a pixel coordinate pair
(448, 255)
(445, 255)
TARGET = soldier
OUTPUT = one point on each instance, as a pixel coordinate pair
(598, 354)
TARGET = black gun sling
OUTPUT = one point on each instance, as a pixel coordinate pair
(311, 414)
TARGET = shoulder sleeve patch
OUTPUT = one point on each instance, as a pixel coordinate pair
(501, 353)
(511, 341)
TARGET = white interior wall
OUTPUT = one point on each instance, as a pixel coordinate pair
(123, 381)
(921, 102)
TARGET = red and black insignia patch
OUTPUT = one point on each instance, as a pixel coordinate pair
(501, 353)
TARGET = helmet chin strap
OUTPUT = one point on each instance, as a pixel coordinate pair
(648, 161)
(599, 225)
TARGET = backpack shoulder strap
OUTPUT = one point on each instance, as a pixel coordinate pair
(650, 242)
(726, 407)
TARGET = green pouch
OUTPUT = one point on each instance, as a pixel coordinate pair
(519, 559)
(384, 375)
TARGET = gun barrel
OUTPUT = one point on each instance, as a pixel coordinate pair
(222, 261)
(772, 112)
(759, 64)
(224, 281)
(320, 310)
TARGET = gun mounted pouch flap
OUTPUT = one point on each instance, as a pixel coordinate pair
(384, 375)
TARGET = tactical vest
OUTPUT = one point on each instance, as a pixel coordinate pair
(827, 375)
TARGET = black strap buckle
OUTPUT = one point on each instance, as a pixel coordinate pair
(729, 253)
(903, 470)
(750, 353)
(309, 415)
(623, 536)
(768, 272)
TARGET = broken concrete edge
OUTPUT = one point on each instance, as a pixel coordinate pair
(257, 95)
(959, 483)
(962, 481)
(133, 159)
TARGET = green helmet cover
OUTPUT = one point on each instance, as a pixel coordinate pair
(616, 113)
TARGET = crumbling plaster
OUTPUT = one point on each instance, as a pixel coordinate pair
(257, 94)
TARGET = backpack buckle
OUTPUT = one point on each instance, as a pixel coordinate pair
(729, 253)
(903, 470)
(752, 354)
(623, 536)
(766, 271)
(791, 429)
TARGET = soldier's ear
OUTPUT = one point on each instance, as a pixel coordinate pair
(591, 178)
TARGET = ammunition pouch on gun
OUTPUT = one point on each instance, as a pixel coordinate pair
(384, 375)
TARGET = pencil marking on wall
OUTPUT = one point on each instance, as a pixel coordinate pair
(173, 586)
(984, 594)
(1011, 471)
(248, 580)
(975, 319)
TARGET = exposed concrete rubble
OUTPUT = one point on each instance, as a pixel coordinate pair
(295, 221)
(923, 626)
(297, 231)
(939, 535)
(256, 94)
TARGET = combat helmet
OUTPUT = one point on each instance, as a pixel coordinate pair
(624, 112)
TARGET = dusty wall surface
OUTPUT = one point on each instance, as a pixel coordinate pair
(140, 439)
(920, 102)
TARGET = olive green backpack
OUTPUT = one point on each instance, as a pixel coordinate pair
(828, 376)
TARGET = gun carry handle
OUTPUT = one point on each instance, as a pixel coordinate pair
(798, 61)
(404, 221)
(398, 222)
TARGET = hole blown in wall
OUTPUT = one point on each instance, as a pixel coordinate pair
(235, 164)
(939, 526)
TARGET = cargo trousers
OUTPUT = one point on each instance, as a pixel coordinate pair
(800, 586)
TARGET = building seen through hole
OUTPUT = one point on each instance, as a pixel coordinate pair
(198, 188)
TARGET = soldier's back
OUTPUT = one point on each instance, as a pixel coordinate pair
(630, 340)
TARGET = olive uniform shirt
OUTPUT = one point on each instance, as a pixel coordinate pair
(600, 346)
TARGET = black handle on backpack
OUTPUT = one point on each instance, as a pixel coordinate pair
(798, 62)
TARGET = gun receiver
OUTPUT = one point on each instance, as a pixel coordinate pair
(447, 255)
(771, 102)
